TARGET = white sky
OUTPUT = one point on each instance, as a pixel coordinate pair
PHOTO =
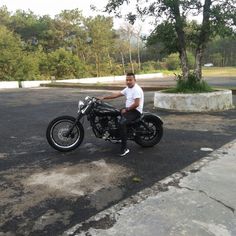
(51, 7)
(54, 7)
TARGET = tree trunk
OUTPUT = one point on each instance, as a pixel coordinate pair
(123, 62)
(130, 58)
(97, 65)
(184, 63)
(203, 39)
(110, 61)
(139, 61)
(179, 27)
(198, 63)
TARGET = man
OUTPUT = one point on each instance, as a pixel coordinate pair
(133, 107)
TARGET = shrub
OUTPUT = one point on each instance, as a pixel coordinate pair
(161, 65)
(149, 66)
(29, 67)
(191, 85)
(153, 66)
(63, 64)
(172, 61)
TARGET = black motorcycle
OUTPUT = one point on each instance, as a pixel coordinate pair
(65, 133)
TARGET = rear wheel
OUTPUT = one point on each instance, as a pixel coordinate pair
(57, 134)
(153, 136)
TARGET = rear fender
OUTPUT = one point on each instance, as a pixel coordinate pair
(148, 114)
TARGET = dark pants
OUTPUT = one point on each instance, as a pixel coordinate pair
(126, 119)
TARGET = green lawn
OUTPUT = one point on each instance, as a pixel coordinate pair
(219, 71)
(208, 71)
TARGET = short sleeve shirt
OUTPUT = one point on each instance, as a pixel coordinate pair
(131, 94)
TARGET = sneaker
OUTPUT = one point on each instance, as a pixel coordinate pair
(124, 152)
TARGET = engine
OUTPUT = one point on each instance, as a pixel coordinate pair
(106, 126)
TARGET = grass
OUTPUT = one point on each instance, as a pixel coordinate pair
(219, 71)
(177, 90)
(206, 71)
(192, 85)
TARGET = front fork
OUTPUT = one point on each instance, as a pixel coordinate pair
(69, 132)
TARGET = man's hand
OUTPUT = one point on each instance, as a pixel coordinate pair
(114, 95)
(123, 111)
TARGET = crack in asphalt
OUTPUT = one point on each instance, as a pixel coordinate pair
(107, 218)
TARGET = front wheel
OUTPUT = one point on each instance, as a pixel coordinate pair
(153, 137)
(57, 134)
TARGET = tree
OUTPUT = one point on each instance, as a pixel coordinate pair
(137, 35)
(217, 16)
(25, 24)
(221, 51)
(121, 48)
(63, 64)
(4, 16)
(164, 33)
(10, 54)
(101, 37)
(127, 34)
(69, 23)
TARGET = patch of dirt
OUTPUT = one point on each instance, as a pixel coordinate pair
(79, 179)
(22, 190)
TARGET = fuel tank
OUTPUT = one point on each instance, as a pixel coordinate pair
(106, 109)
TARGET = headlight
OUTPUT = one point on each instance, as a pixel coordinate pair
(87, 98)
(80, 105)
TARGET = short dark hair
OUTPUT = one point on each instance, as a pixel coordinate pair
(130, 74)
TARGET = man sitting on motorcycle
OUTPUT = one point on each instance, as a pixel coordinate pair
(133, 107)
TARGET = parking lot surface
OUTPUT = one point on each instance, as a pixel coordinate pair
(44, 192)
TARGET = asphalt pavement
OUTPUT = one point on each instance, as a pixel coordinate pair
(198, 201)
(44, 192)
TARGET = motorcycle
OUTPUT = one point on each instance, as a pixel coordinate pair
(66, 133)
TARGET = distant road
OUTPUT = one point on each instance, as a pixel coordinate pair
(214, 81)
(150, 84)
(222, 81)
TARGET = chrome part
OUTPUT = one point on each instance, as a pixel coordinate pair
(60, 134)
(80, 105)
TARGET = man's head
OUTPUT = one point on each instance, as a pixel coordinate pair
(130, 80)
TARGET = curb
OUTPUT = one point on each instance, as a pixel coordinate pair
(100, 87)
(114, 87)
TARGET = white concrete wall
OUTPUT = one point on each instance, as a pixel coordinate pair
(34, 83)
(9, 84)
(213, 101)
(108, 79)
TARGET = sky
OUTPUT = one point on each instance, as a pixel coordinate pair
(54, 7)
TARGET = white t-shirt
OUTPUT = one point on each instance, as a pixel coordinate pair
(131, 94)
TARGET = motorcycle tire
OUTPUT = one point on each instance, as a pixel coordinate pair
(147, 140)
(56, 134)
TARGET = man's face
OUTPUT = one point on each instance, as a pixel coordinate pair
(130, 81)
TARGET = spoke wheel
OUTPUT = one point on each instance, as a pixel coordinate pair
(57, 134)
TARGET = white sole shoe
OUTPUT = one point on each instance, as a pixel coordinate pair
(125, 152)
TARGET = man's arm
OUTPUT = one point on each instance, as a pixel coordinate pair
(114, 95)
(134, 105)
